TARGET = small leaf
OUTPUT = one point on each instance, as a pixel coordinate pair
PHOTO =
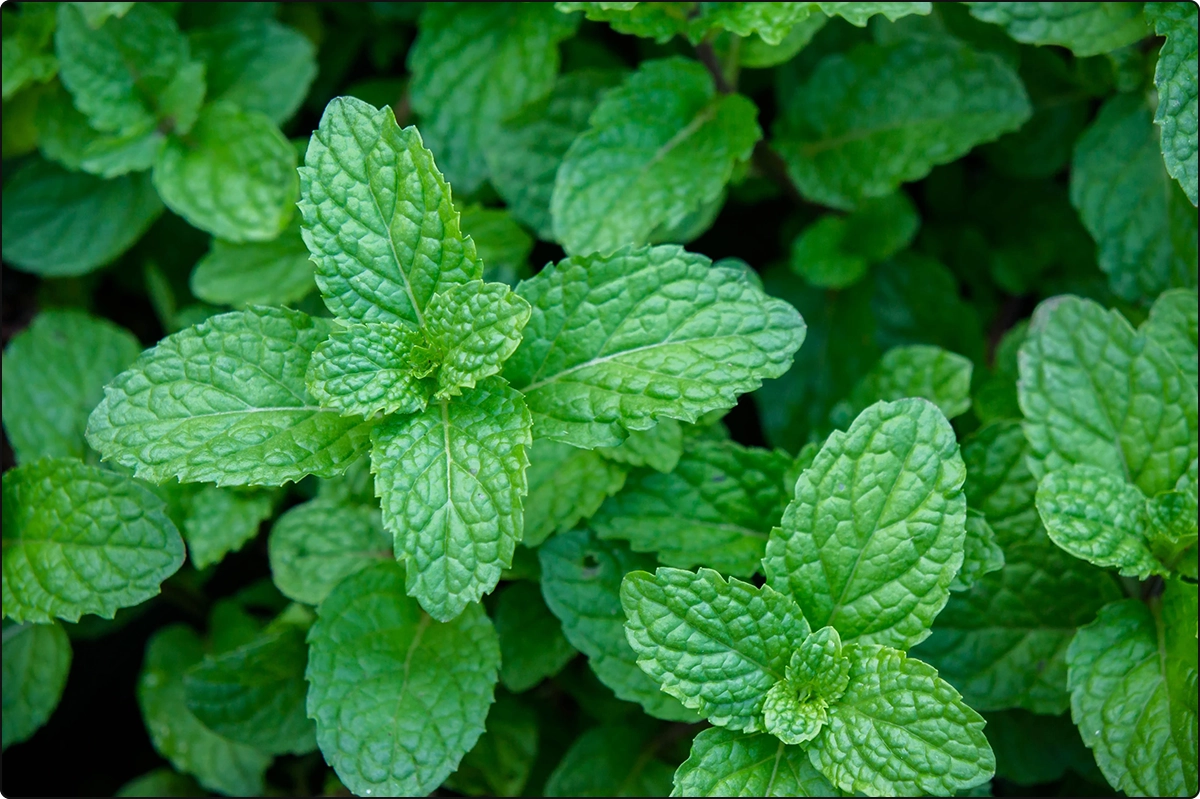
(276, 272)
(316, 545)
(366, 370)
(917, 370)
(797, 707)
(1175, 79)
(724, 762)
(1172, 324)
(37, 658)
(659, 447)
(474, 327)
(981, 554)
(27, 56)
(216, 521)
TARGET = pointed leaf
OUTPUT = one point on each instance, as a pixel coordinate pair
(1175, 79)
(725, 762)
(366, 370)
(474, 327)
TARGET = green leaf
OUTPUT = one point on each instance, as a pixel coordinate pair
(874, 536)
(225, 402)
(1175, 79)
(37, 658)
(366, 370)
(131, 73)
(659, 21)
(1085, 28)
(474, 65)
(658, 447)
(257, 64)
(757, 53)
(566, 485)
(611, 760)
(60, 224)
(502, 244)
(657, 148)
(716, 508)
(1144, 226)
(276, 272)
(451, 480)
(79, 539)
(474, 327)
(859, 13)
(845, 138)
(728, 763)
(255, 694)
(1172, 324)
(27, 56)
(981, 554)
(316, 545)
(771, 22)
(96, 14)
(1096, 392)
(530, 145)
(233, 177)
(715, 645)
(54, 374)
(217, 763)
(532, 646)
(678, 337)
(1000, 485)
(161, 782)
(65, 136)
(216, 521)
(1133, 701)
(929, 743)
(835, 251)
(995, 395)
(796, 708)
(382, 246)
(389, 736)
(916, 370)
(501, 762)
(581, 582)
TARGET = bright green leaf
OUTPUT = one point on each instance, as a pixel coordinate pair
(316, 545)
(981, 554)
(1175, 79)
(917, 370)
(364, 370)
(1085, 28)
(658, 447)
(474, 327)
(216, 521)
(728, 763)
(1172, 324)
(27, 56)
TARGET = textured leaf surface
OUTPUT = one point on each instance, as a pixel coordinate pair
(217, 763)
(657, 148)
(1175, 79)
(875, 117)
(65, 136)
(1085, 28)
(314, 546)
(54, 374)
(37, 658)
(581, 582)
(796, 708)
(225, 401)
(475, 327)
(874, 536)
(1172, 324)
(58, 223)
(276, 272)
(715, 645)
(216, 521)
(716, 508)
(1144, 226)
(981, 554)
(728, 763)
(532, 645)
(566, 485)
(1096, 392)
(611, 760)
(917, 370)
(900, 729)
(79, 539)
(658, 447)
(451, 480)
(364, 370)
(391, 736)
(615, 342)
(659, 21)
(233, 177)
(501, 761)
(378, 218)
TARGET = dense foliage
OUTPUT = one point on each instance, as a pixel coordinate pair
(610, 399)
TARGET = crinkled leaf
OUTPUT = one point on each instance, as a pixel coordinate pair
(725, 762)
(716, 508)
(502, 759)
(79, 539)
(1172, 324)
(659, 21)
(225, 401)
(845, 137)
(65, 136)
(566, 485)
(658, 447)
(874, 536)
(37, 658)
(859, 13)
(384, 735)
(611, 760)
(532, 646)
(378, 218)
(474, 327)
(27, 56)
(276, 272)
(1085, 28)
(657, 148)
(916, 370)
(1175, 79)
(797, 708)
(316, 545)
(715, 645)
(981, 554)
(677, 337)
(451, 480)
(216, 521)
(364, 370)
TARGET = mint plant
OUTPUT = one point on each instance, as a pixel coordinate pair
(789, 399)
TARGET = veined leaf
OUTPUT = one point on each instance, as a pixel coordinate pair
(725, 762)
(255, 273)
(474, 327)
(1085, 28)
(316, 545)
(566, 485)
(366, 370)
(917, 370)
(1172, 324)
(504, 755)
(658, 447)
(1175, 79)
(611, 760)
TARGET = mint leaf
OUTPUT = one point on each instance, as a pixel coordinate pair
(981, 554)
(995, 396)
(796, 708)
(474, 327)
(54, 374)
(715, 645)
(874, 536)
(233, 177)
(1172, 324)
(859, 13)
(161, 782)
(1096, 392)
(59, 224)
(37, 658)
(1133, 701)
(658, 21)
(383, 246)
(255, 273)
(451, 480)
(657, 148)
(590, 376)
(27, 56)
(611, 760)
(770, 21)
(581, 582)
(844, 142)
(916, 370)
(366, 370)
(566, 485)
(317, 544)
(96, 14)
(532, 646)
(257, 64)
(1085, 28)
(931, 743)
(1143, 225)
(658, 447)
(835, 251)
(1175, 79)
(217, 763)
(728, 763)
(216, 521)
(716, 508)
(78, 539)
(65, 136)
(502, 759)
(367, 632)
(225, 402)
